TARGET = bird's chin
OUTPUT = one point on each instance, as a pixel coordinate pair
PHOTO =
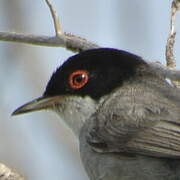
(70, 116)
(74, 111)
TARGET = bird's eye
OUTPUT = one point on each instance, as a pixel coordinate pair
(78, 79)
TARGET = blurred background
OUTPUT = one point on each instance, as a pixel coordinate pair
(38, 144)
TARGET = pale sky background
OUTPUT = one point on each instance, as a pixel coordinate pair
(38, 144)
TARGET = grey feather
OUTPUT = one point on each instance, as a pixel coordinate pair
(124, 166)
(136, 124)
(132, 118)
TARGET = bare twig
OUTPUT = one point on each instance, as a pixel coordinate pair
(56, 19)
(165, 72)
(69, 41)
(9, 174)
(170, 59)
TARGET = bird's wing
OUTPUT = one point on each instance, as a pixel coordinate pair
(137, 121)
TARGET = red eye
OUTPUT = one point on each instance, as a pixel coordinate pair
(78, 79)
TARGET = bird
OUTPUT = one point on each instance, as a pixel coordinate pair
(125, 115)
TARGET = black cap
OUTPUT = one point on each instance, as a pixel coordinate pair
(107, 69)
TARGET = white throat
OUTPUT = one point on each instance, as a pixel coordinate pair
(75, 110)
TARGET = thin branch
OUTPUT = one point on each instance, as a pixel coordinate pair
(170, 58)
(165, 71)
(68, 41)
(57, 24)
(9, 174)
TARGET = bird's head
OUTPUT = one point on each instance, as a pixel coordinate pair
(77, 88)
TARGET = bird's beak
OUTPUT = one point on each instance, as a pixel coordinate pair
(37, 105)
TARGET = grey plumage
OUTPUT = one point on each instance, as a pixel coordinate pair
(120, 166)
(138, 123)
(140, 117)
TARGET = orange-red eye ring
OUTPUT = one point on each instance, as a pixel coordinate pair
(78, 79)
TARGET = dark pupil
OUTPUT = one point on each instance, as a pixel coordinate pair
(78, 78)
